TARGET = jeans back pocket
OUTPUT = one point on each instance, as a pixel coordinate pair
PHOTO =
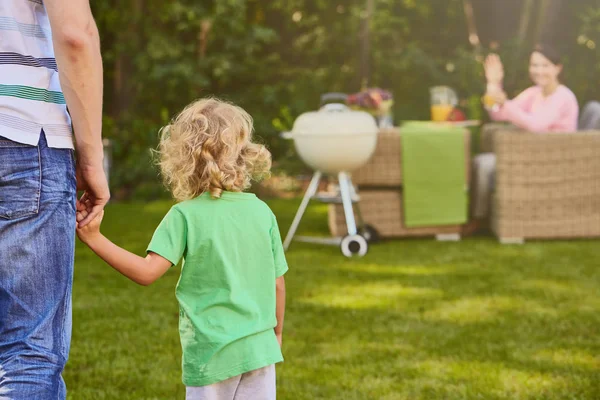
(20, 179)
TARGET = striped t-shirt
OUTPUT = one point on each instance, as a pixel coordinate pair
(31, 99)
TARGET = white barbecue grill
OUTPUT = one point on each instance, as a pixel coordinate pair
(334, 140)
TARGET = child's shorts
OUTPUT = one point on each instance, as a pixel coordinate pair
(254, 385)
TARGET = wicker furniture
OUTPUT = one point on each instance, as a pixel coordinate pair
(382, 209)
(384, 169)
(547, 186)
(380, 189)
(486, 141)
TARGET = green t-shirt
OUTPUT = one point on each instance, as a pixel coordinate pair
(232, 254)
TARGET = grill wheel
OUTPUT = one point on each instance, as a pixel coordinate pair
(354, 246)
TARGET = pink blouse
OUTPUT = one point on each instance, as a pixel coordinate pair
(534, 112)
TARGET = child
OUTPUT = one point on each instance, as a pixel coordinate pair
(231, 291)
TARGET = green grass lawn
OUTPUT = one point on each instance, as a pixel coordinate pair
(414, 319)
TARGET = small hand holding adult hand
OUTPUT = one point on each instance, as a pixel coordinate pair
(92, 181)
(92, 228)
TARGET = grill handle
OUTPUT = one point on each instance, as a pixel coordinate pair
(334, 107)
(333, 97)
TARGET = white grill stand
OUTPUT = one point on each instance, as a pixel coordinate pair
(345, 185)
(351, 245)
(310, 192)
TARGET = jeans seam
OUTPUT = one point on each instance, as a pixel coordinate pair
(66, 302)
(39, 191)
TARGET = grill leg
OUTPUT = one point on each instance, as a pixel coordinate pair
(310, 192)
(360, 225)
(345, 185)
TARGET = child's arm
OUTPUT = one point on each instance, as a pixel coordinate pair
(280, 307)
(143, 271)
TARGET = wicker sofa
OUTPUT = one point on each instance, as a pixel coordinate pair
(547, 186)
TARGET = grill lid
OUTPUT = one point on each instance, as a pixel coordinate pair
(335, 119)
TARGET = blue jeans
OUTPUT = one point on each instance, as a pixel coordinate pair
(37, 245)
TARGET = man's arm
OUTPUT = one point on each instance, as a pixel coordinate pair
(77, 49)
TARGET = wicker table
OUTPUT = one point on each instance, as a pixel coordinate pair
(380, 189)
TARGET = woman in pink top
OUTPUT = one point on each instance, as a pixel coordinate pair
(546, 107)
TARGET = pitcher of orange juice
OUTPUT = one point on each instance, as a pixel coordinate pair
(443, 101)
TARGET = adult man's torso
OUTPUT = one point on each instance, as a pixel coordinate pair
(31, 99)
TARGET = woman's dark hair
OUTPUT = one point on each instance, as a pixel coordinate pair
(549, 52)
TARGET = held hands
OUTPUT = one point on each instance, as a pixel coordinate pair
(92, 229)
(92, 181)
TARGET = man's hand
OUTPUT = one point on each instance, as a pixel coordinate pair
(92, 181)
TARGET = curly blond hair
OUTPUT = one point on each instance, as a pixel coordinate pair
(208, 148)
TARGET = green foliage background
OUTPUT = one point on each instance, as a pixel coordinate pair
(276, 57)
